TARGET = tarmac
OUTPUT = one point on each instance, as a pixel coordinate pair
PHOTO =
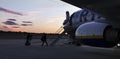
(15, 49)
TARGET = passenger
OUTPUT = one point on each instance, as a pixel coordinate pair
(69, 29)
(44, 40)
(28, 39)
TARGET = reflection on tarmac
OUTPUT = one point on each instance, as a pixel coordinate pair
(15, 49)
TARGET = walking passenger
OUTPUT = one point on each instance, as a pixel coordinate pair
(44, 40)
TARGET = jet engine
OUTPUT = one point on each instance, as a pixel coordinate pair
(97, 34)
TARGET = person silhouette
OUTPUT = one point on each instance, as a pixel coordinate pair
(28, 39)
(44, 40)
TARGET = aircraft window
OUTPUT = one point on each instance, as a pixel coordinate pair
(85, 19)
(80, 20)
(81, 16)
(92, 19)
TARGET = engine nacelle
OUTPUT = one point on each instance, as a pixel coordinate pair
(97, 34)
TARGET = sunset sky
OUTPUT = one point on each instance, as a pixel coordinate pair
(37, 15)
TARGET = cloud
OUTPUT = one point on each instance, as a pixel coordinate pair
(12, 19)
(10, 23)
(9, 11)
(15, 27)
(26, 21)
(26, 24)
(5, 27)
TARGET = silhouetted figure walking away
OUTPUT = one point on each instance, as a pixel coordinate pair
(28, 39)
(44, 40)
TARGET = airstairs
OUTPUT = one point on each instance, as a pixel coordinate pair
(62, 33)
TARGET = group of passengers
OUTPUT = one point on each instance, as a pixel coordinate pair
(29, 38)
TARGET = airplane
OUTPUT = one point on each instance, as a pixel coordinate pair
(97, 24)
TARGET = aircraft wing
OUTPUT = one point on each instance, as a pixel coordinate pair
(108, 8)
(104, 7)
